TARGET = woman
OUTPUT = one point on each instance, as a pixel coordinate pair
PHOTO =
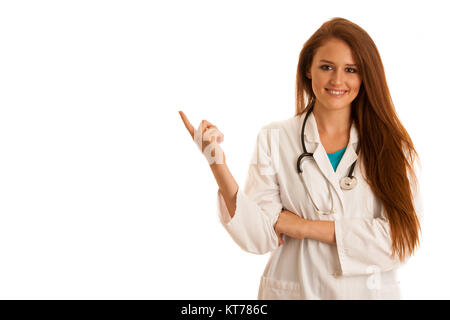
(340, 220)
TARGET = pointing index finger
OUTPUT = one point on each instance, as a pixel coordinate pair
(187, 124)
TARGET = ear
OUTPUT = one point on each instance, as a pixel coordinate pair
(308, 73)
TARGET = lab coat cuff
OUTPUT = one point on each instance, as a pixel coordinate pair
(249, 227)
(364, 246)
(350, 264)
(338, 232)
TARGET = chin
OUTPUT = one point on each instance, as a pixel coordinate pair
(336, 105)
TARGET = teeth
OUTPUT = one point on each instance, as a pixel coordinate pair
(336, 92)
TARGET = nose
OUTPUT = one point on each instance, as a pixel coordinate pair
(337, 77)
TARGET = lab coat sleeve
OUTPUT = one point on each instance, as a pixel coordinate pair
(365, 245)
(258, 204)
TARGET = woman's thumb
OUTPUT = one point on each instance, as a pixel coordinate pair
(280, 239)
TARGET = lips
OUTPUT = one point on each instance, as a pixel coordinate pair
(336, 92)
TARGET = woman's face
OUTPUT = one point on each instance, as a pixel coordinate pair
(335, 76)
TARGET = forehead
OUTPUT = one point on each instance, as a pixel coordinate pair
(335, 50)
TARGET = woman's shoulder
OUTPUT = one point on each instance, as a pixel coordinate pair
(289, 124)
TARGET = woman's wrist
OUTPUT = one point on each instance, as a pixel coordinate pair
(319, 230)
(303, 228)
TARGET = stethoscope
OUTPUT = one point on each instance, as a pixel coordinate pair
(346, 183)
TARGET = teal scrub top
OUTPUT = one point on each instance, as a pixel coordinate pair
(336, 157)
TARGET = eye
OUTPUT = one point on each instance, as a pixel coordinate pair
(325, 67)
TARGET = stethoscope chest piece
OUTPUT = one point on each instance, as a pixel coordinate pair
(348, 183)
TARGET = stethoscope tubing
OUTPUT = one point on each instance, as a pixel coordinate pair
(346, 183)
(309, 154)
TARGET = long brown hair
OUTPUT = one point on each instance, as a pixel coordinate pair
(386, 150)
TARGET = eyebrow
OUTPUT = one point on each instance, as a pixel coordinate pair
(327, 61)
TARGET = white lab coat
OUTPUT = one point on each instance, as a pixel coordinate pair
(359, 266)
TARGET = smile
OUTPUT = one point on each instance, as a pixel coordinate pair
(336, 93)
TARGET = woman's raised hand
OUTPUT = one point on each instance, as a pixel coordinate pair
(207, 138)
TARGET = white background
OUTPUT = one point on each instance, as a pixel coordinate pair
(103, 194)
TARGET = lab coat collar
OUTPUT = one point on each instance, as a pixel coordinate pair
(312, 132)
(314, 145)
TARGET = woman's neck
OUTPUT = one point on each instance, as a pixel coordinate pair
(332, 122)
